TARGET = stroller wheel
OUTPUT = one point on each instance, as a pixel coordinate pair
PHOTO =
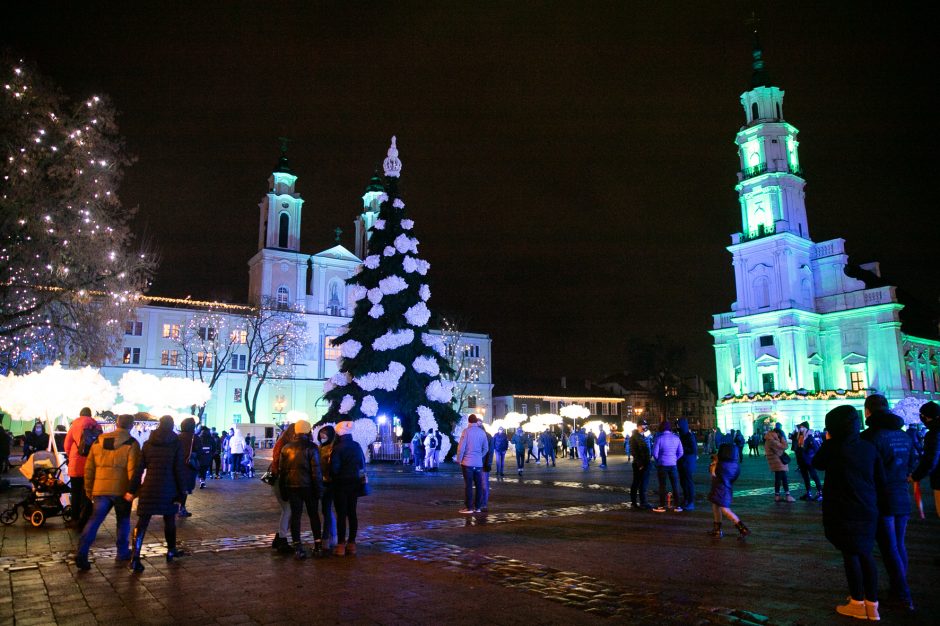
(9, 515)
(37, 518)
(67, 514)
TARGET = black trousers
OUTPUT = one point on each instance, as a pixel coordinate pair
(640, 485)
(300, 498)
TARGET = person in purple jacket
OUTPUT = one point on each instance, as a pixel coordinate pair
(667, 449)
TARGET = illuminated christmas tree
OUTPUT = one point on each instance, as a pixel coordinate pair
(391, 365)
(68, 278)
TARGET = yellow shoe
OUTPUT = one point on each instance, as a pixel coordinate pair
(854, 608)
(871, 611)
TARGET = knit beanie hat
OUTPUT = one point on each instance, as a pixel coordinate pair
(930, 409)
(301, 427)
(344, 428)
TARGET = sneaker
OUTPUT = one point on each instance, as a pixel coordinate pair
(465, 511)
(871, 611)
(790, 498)
(853, 608)
(202, 484)
(339, 549)
(81, 562)
(477, 510)
(659, 509)
(351, 547)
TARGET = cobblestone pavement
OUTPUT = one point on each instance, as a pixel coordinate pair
(559, 545)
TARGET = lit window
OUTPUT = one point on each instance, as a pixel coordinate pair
(283, 297)
(910, 378)
(331, 352)
(923, 380)
(171, 331)
(169, 358)
(204, 359)
(603, 408)
(525, 409)
(131, 356)
(857, 380)
(281, 358)
(239, 336)
(472, 352)
(471, 402)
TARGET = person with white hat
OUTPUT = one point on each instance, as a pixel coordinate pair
(301, 483)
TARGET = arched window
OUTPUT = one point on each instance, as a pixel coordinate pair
(283, 297)
(762, 292)
(334, 304)
(805, 291)
(283, 229)
(754, 112)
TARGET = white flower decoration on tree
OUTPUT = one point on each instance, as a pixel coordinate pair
(393, 339)
(347, 404)
(372, 261)
(375, 295)
(410, 264)
(407, 224)
(369, 406)
(423, 266)
(403, 244)
(426, 419)
(387, 380)
(350, 349)
(425, 292)
(434, 341)
(376, 311)
(358, 292)
(418, 315)
(440, 391)
(389, 251)
(338, 379)
(426, 365)
(398, 203)
(383, 197)
(392, 285)
(364, 432)
(379, 225)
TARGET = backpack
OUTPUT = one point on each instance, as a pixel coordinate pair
(89, 436)
(433, 442)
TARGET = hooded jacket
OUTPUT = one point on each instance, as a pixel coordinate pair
(854, 478)
(897, 455)
(188, 445)
(111, 464)
(500, 442)
(162, 488)
(346, 461)
(689, 444)
(930, 460)
(727, 470)
(640, 448)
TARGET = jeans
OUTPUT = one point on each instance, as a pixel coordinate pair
(670, 472)
(862, 575)
(781, 482)
(283, 524)
(603, 451)
(329, 518)
(809, 472)
(686, 472)
(237, 463)
(345, 498)
(890, 537)
(301, 498)
(500, 463)
(640, 484)
(520, 460)
(101, 506)
(584, 457)
(472, 477)
(484, 490)
(549, 454)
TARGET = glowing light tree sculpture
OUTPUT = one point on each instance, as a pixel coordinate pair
(68, 277)
(391, 365)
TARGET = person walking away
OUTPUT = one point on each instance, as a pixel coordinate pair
(854, 478)
(205, 447)
(929, 464)
(74, 449)
(500, 447)
(519, 442)
(581, 447)
(724, 470)
(236, 444)
(487, 468)
(547, 443)
(108, 471)
(897, 456)
(190, 450)
(564, 443)
(417, 448)
(739, 441)
(471, 449)
(590, 440)
(300, 479)
(667, 450)
(806, 447)
(686, 464)
(775, 445)
(347, 468)
(640, 447)
(216, 470)
(326, 436)
(226, 452)
(531, 448)
(281, 543)
(160, 491)
(430, 451)
(602, 446)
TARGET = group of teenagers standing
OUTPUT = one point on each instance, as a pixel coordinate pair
(322, 472)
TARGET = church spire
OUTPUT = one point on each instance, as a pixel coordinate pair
(759, 77)
(392, 165)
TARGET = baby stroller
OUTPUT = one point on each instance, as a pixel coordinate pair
(44, 498)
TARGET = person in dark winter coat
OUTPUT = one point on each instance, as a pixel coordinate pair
(280, 543)
(161, 491)
(724, 469)
(929, 464)
(326, 437)
(854, 479)
(500, 446)
(640, 448)
(487, 468)
(897, 455)
(35, 439)
(519, 442)
(686, 464)
(739, 441)
(300, 479)
(547, 444)
(805, 446)
(347, 468)
(189, 446)
(205, 445)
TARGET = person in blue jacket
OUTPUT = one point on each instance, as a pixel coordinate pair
(854, 481)
(500, 447)
(805, 446)
(686, 464)
(725, 470)
(929, 463)
(897, 455)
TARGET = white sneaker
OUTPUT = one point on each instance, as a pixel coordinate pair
(659, 509)
(465, 511)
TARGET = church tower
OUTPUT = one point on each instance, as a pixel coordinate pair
(278, 272)
(371, 202)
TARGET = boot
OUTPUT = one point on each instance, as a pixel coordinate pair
(318, 549)
(716, 530)
(744, 530)
(277, 541)
(853, 608)
(351, 547)
(299, 552)
(172, 551)
(339, 549)
(137, 542)
(871, 611)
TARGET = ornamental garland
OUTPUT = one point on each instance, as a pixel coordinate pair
(379, 225)
(440, 391)
(407, 224)
(434, 341)
(347, 404)
(372, 261)
(392, 284)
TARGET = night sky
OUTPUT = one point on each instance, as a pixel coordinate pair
(570, 166)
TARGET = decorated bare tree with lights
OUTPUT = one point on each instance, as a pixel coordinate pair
(391, 365)
(275, 338)
(466, 366)
(206, 343)
(68, 275)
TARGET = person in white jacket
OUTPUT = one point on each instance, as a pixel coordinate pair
(431, 450)
(237, 447)
(472, 448)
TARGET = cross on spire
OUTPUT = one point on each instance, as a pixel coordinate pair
(339, 232)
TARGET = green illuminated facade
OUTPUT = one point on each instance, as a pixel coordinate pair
(802, 337)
